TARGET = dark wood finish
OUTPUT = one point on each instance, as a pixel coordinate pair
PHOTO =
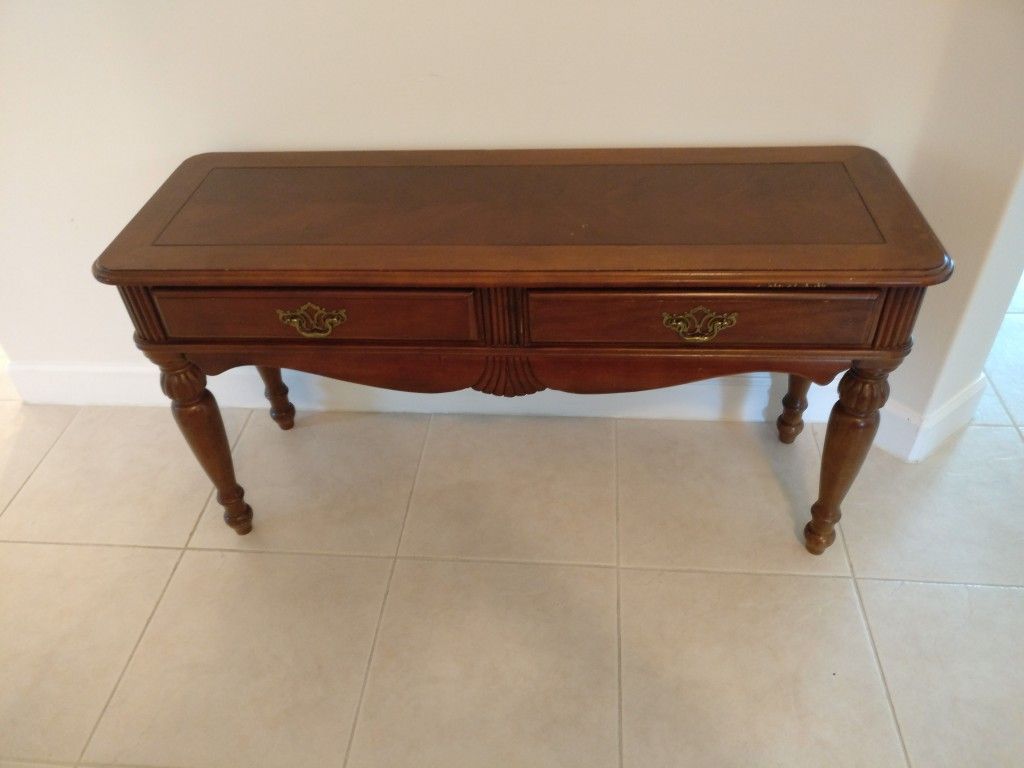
(595, 371)
(908, 254)
(540, 204)
(851, 428)
(790, 422)
(811, 318)
(142, 310)
(196, 412)
(281, 409)
(514, 271)
(370, 315)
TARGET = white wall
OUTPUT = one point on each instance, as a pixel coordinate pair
(99, 101)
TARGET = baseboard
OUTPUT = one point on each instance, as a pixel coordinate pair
(913, 437)
(751, 397)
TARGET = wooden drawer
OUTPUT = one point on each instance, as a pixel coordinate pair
(705, 318)
(322, 315)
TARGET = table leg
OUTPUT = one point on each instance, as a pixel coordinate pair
(794, 403)
(281, 409)
(851, 428)
(196, 412)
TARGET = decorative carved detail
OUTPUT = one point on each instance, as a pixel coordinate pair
(180, 379)
(143, 312)
(862, 391)
(700, 324)
(312, 320)
(508, 376)
(898, 316)
(500, 313)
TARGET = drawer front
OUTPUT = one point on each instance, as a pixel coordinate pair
(705, 318)
(323, 315)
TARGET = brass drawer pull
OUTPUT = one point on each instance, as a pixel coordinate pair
(311, 320)
(700, 324)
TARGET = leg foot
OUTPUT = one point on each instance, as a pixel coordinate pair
(851, 428)
(815, 541)
(281, 409)
(196, 412)
(237, 513)
(794, 403)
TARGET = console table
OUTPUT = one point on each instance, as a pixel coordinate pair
(510, 271)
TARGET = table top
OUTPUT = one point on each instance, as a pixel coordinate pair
(803, 215)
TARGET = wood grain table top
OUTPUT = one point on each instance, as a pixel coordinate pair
(815, 216)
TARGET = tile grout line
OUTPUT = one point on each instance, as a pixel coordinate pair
(1002, 402)
(241, 431)
(152, 613)
(128, 661)
(618, 583)
(110, 543)
(299, 552)
(544, 563)
(158, 547)
(384, 600)
(814, 437)
(898, 580)
(492, 561)
(867, 626)
(412, 489)
(36, 760)
(878, 659)
(971, 425)
(725, 572)
(40, 462)
(502, 561)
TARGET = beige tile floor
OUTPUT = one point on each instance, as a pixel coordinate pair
(461, 591)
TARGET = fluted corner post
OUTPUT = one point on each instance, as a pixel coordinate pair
(198, 417)
(794, 403)
(281, 409)
(851, 429)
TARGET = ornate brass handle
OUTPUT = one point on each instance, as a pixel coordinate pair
(700, 324)
(311, 320)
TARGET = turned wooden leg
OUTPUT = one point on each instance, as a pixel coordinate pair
(794, 403)
(281, 410)
(851, 428)
(199, 419)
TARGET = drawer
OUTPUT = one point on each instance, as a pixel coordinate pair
(323, 315)
(711, 318)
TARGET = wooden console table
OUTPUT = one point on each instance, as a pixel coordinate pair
(510, 271)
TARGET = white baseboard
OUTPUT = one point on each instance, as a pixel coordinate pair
(750, 397)
(913, 437)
